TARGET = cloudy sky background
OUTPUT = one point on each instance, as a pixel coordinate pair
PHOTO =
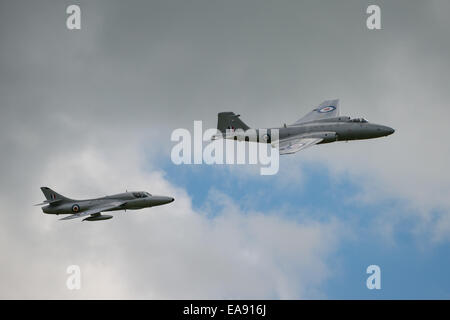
(90, 113)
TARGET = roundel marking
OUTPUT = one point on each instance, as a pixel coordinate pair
(75, 208)
(326, 109)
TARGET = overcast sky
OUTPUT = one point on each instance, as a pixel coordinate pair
(89, 112)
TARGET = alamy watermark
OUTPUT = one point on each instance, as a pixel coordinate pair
(374, 280)
(73, 21)
(373, 21)
(240, 147)
(73, 281)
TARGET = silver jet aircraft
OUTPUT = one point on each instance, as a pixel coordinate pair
(58, 204)
(322, 125)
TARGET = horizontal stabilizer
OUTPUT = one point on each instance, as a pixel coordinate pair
(48, 202)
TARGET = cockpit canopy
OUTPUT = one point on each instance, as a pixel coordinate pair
(141, 194)
(358, 120)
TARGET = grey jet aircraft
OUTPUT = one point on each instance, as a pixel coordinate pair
(322, 125)
(58, 204)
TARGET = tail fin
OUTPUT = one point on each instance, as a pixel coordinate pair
(51, 195)
(231, 121)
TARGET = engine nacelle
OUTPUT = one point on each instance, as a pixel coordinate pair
(327, 137)
(252, 135)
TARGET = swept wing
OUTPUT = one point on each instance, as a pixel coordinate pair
(295, 144)
(327, 109)
(95, 210)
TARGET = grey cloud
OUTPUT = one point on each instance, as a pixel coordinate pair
(138, 70)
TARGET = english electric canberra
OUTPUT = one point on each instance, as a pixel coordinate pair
(322, 125)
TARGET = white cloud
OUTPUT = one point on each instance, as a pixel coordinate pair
(171, 251)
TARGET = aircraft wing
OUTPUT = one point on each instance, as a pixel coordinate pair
(327, 109)
(296, 144)
(95, 210)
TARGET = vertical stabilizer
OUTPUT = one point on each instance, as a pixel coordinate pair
(230, 121)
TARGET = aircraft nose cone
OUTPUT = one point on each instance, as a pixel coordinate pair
(389, 131)
(384, 131)
(160, 200)
(168, 199)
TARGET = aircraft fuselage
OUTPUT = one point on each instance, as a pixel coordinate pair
(131, 203)
(331, 130)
